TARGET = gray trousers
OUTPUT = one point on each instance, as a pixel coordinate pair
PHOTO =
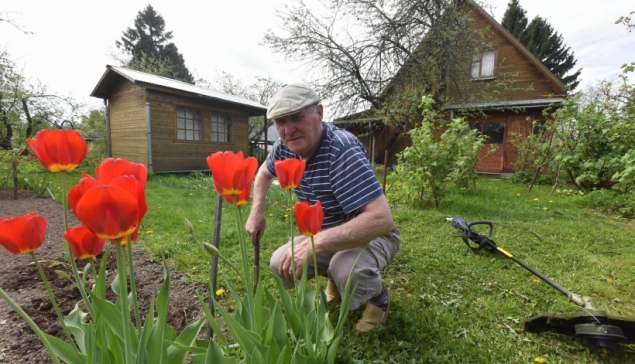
(366, 274)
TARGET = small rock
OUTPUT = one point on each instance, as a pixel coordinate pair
(3, 322)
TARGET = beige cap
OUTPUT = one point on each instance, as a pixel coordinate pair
(290, 99)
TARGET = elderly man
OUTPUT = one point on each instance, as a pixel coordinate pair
(356, 213)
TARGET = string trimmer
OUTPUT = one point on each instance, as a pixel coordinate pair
(588, 322)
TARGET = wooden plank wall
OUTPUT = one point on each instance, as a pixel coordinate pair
(517, 76)
(170, 154)
(127, 114)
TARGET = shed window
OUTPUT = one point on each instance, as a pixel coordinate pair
(188, 124)
(494, 132)
(539, 128)
(219, 125)
(483, 65)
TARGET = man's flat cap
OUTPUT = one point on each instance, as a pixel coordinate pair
(290, 99)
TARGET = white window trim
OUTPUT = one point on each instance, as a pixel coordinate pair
(479, 61)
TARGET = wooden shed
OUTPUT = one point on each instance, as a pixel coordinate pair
(519, 88)
(169, 125)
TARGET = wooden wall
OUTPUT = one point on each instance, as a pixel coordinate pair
(170, 154)
(517, 77)
(126, 104)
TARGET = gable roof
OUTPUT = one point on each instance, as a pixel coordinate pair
(114, 74)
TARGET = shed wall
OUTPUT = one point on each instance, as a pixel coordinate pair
(126, 104)
(170, 154)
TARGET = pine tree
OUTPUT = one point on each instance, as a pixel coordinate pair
(544, 42)
(149, 50)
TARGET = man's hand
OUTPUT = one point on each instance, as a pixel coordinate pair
(303, 251)
(255, 226)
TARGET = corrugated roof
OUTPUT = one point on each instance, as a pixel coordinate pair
(142, 77)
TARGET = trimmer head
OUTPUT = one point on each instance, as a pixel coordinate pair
(594, 325)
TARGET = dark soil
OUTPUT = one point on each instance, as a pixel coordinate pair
(20, 279)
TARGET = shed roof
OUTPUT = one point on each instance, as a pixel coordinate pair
(113, 74)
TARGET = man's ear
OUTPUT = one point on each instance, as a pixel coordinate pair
(320, 111)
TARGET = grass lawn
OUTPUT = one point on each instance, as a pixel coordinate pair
(448, 305)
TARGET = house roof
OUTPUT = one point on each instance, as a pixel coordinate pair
(524, 104)
(114, 74)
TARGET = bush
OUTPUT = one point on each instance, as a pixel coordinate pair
(612, 202)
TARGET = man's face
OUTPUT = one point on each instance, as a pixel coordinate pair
(301, 132)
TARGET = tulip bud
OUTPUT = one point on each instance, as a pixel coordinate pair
(189, 227)
(212, 250)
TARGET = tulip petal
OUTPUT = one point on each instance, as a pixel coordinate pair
(59, 150)
(112, 168)
(24, 234)
(290, 172)
(83, 242)
(109, 211)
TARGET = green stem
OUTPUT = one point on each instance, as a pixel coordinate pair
(94, 270)
(125, 312)
(133, 286)
(80, 284)
(53, 301)
(245, 259)
(292, 238)
(31, 324)
(315, 268)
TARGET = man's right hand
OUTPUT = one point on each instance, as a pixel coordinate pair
(255, 226)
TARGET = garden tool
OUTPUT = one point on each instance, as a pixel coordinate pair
(589, 322)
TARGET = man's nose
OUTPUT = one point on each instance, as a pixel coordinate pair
(289, 129)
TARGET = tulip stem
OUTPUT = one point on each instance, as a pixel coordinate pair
(32, 325)
(133, 286)
(315, 268)
(80, 284)
(53, 301)
(292, 240)
(246, 270)
(125, 312)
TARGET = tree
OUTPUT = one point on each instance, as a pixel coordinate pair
(148, 48)
(260, 92)
(356, 47)
(626, 20)
(544, 42)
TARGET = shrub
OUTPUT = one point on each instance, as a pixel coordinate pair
(612, 202)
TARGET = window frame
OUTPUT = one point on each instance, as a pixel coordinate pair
(217, 133)
(478, 59)
(488, 139)
(185, 129)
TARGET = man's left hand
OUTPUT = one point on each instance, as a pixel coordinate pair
(303, 251)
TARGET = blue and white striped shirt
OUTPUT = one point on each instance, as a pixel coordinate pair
(338, 174)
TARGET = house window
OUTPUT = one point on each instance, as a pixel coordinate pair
(539, 128)
(219, 125)
(188, 124)
(483, 65)
(494, 132)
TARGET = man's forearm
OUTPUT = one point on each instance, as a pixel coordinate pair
(261, 187)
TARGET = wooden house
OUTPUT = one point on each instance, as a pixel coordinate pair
(168, 125)
(518, 85)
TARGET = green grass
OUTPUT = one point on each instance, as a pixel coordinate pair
(448, 305)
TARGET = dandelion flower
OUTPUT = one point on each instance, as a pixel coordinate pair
(540, 360)
(220, 291)
(518, 194)
(536, 199)
(545, 208)
(609, 280)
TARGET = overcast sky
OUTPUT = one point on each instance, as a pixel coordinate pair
(72, 40)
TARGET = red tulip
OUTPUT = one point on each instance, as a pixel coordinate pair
(241, 199)
(24, 234)
(112, 210)
(84, 244)
(111, 168)
(309, 217)
(59, 150)
(232, 173)
(289, 172)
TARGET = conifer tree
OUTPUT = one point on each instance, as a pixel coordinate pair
(544, 42)
(149, 48)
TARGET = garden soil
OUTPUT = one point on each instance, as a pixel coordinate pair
(20, 279)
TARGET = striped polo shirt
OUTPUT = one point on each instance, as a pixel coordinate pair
(338, 174)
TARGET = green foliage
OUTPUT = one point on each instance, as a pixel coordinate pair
(39, 186)
(434, 160)
(93, 129)
(542, 41)
(613, 202)
(597, 131)
(533, 151)
(149, 50)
